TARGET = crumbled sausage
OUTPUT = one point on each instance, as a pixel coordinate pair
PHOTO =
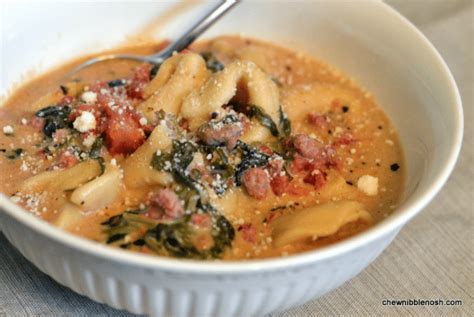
(60, 136)
(308, 147)
(256, 182)
(249, 233)
(167, 200)
(345, 139)
(221, 134)
(67, 159)
(318, 120)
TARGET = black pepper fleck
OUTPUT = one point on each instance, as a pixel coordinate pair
(380, 127)
(394, 167)
(345, 109)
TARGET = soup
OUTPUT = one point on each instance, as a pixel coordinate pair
(232, 149)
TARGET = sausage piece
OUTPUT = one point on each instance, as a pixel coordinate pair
(167, 200)
(256, 182)
(308, 147)
(221, 134)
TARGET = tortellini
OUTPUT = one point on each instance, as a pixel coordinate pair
(62, 180)
(317, 221)
(69, 216)
(176, 78)
(100, 191)
(137, 169)
(222, 87)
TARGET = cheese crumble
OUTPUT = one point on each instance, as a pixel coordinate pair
(89, 97)
(369, 185)
(85, 122)
(8, 130)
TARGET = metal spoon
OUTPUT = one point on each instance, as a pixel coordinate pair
(181, 43)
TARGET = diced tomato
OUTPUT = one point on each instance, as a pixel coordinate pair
(279, 184)
(300, 164)
(148, 128)
(123, 135)
(98, 85)
(66, 100)
(140, 78)
(265, 149)
(122, 129)
(316, 178)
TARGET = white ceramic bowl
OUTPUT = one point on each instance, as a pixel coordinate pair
(367, 39)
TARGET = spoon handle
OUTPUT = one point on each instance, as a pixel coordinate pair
(195, 31)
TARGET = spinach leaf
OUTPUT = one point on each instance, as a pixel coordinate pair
(212, 63)
(13, 154)
(116, 83)
(56, 117)
(176, 162)
(96, 147)
(174, 238)
(285, 123)
(264, 119)
(251, 157)
(154, 70)
(223, 234)
(64, 89)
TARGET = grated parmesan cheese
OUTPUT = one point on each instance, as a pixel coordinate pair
(89, 141)
(143, 121)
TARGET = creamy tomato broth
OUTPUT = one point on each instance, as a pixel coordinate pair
(232, 149)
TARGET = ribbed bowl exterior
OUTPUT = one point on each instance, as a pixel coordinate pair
(159, 292)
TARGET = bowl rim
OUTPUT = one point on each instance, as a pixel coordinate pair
(183, 266)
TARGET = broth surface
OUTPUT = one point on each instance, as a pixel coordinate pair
(321, 103)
